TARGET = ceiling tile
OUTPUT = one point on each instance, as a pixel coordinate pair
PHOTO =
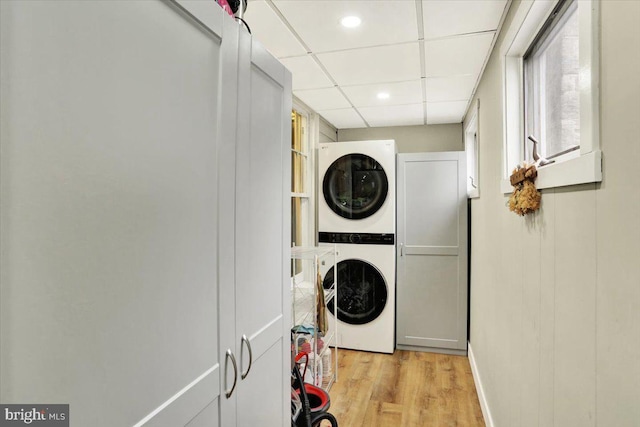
(318, 23)
(306, 73)
(457, 88)
(399, 94)
(445, 112)
(346, 118)
(323, 99)
(267, 27)
(394, 115)
(374, 65)
(382, 54)
(445, 17)
(457, 55)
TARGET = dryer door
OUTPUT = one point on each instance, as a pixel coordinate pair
(355, 186)
(362, 292)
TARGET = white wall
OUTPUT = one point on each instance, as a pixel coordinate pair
(555, 297)
(411, 139)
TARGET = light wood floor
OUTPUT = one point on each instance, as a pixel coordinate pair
(405, 389)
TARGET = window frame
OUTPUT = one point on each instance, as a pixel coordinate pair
(309, 142)
(471, 148)
(569, 170)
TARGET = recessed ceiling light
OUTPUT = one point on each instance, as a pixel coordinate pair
(383, 95)
(350, 21)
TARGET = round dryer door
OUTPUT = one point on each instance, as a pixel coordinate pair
(362, 292)
(355, 186)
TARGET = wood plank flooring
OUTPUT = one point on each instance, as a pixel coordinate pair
(405, 389)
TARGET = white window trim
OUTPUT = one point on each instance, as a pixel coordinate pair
(587, 167)
(469, 131)
(310, 139)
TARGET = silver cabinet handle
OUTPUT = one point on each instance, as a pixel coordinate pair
(246, 341)
(401, 249)
(228, 356)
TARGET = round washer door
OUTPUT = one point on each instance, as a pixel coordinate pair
(362, 292)
(355, 186)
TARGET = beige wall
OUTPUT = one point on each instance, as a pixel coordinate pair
(327, 132)
(411, 139)
(555, 297)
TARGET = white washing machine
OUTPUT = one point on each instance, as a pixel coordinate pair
(358, 187)
(365, 308)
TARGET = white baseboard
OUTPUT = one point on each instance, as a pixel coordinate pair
(484, 405)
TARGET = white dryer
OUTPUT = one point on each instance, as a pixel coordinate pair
(358, 187)
(364, 304)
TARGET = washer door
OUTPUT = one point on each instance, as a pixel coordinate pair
(355, 186)
(362, 292)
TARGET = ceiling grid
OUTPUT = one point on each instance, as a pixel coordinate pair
(409, 62)
(423, 62)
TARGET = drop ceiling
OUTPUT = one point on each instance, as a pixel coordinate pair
(427, 55)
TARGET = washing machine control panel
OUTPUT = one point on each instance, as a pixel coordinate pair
(357, 238)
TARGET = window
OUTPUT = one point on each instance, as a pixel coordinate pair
(471, 149)
(551, 86)
(550, 71)
(299, 184)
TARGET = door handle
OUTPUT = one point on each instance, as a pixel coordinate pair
(228, 356)
(401, 249)
(246, 341)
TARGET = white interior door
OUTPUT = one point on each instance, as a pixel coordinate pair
(432, 251)
(110, 123)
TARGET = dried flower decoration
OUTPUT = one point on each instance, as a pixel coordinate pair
(525, 197)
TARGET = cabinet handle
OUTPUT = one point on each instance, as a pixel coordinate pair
(401, 249)
(228, 356)
(246, 341)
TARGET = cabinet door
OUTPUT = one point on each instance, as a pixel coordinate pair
(110, 121)
(432, 252)
(226, 228)
(262, 237)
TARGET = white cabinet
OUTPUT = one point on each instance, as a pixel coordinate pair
(322, 365)
(145, 214)
(432, 252)
(255, 229)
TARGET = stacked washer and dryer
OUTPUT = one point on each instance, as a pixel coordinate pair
(357, 213)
